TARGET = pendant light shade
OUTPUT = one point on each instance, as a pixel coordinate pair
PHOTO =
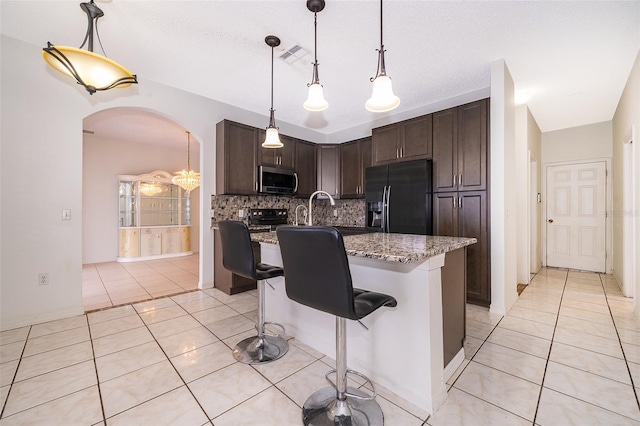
(382, 99)
(315, 101)
(187, 179)
(92, 71)
(272, 139)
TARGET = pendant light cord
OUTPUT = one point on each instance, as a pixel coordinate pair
(188, 151)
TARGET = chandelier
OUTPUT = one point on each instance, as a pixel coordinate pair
(150, 188)
(92, 71)
(187, 179)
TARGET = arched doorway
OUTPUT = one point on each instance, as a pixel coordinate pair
(131, 141)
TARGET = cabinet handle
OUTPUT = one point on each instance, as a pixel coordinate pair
(455, 204)
(454, 179)
(401, 152)
(460, 179)
(256, 186)
(460, 203)
(397, 153)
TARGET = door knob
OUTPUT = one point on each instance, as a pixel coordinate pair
(550, 220)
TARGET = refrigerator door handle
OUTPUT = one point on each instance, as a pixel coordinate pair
(388, 202)
(384, 211)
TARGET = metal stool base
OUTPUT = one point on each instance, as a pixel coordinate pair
(323, 408)
(250, 351)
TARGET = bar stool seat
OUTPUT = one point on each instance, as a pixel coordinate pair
(317, 275)
(237, 257)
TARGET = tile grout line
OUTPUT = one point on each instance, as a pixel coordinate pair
(95, 366)
(546, 365)
(15, 374)
(624, 355)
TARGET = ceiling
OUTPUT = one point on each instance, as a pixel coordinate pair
(573, 57)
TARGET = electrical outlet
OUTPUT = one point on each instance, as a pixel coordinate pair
(43, 279)
(240, 213)
(335, 212)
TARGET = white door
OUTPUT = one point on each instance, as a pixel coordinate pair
(576, 216)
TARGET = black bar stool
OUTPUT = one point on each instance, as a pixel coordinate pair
(237, 257)
(317, 275)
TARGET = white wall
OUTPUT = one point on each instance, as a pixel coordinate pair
(578, 143)
(41, 134)
(503, 190)
(627, 115)
(105, 159)
(527, 138)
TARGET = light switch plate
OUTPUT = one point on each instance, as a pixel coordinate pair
(66, 214)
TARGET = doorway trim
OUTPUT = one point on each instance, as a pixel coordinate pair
(629, 223)
(609, 205)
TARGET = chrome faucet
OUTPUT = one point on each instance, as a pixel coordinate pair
(303, 214)
(333, 203)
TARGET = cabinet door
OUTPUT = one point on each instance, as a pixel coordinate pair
(236, 154)
(278, 157)
(385, 144)
(415, 137)
(329, 169)
(472, 146)
(473, 216)
(350, 166)
(306, 168)
(445, 214)
(445, 152)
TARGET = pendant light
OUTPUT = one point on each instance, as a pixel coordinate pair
(92, 71)
(272, 140)
(187, 179)
(315, 101)
(382, 98)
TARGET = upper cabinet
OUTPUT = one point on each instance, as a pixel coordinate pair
(460, 148)
(236, 158)
(404, 141)
(305, 166)
(355, 157)
(328, 169)
(280, 157)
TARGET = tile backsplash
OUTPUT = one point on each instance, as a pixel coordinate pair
(349, 212)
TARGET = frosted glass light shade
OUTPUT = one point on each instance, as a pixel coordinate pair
(273, 139)
(382, 99)
(315, 101)
(91, 69)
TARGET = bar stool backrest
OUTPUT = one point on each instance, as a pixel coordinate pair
(237, 253)
(316, 268)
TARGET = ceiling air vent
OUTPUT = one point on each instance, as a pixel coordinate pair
(296, 53)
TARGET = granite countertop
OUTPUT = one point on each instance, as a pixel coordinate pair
(402, 248)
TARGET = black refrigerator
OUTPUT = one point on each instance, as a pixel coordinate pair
(398, 197)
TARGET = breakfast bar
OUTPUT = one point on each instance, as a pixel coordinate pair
(401, 348)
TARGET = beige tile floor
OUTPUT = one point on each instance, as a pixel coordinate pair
(567, 353)
(113, 283)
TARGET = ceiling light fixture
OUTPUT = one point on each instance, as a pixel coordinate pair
(272, 140)
(187, 179)
(315, 101)
(382, 98)
(91, 70)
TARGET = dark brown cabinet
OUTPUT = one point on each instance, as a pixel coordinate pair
(466, 214)
(453, 277)
(355, 157)
(329, 169)
(223, 279)
(236, 158)
(305, 166)
(279, 157)
(460, 148)
(404, 141)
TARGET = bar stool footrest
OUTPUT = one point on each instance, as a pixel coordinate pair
(367, 380)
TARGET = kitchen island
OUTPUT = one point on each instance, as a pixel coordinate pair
(403, 348)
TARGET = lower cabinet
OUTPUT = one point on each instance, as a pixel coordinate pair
(466, 214)
(224, 280)
(144, 243)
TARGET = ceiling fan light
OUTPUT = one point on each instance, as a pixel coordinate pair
(382, 99)
(315, 101)
(272, 140)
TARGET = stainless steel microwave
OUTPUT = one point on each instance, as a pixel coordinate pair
(277, 181)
